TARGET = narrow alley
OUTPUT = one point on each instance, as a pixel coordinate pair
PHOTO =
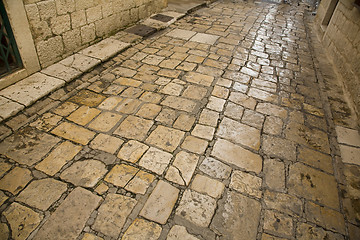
(217, 127)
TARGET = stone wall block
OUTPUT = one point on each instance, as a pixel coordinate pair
(72, 40)
(78, 19)
(60, 24)
(65, 6)
(106, 26)
(84, 4)
(107, 9)
(40, 30)
(50, 50)
(93, 14)
(32, 13)
(88, 33)
(47, 9)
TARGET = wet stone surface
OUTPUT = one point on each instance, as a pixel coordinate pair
(217, 127)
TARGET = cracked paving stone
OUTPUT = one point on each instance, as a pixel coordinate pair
(165, 138)
(84, 173)
(120, 175)
(46, 122)
(140, 183)
(134, 128)
(65, 109)
(142, 229)
(246, 183)
(22, 220)
(178, 232)
(237, 217)
(73, 213)
(62, 154)
(236, 155)
(112, 214)
(182, 169)
(132, 151)
(74, 133)
(155, 160)
(28, 146)
(159, 205)
(206, 185)
(196, 208)
(184, 122)
(41, 194)
(16, 180)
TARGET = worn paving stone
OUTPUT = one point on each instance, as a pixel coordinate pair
(61, 71)
(237, 217)
(179, 103)
(203, 131)
(274, 174)
(4, 167)
(132, 151)
(348, 136)
(16, 180)
(112, 214)
(204, 38)
(62, 154)
(3, 198)
(22, 220)
(84, 173)
(41, 194)
(105, 49)
(206, 185)
(155, 160)
(314, 185)
(194, 92)
(142, 229)
(134, 128)
(72, 213)
(110, 103)
(199, 78)
(215, 168)
(184, 122)
(80, 62)
(165, 138)
(243, 100)
(140, 183)
(350, 154)
(315, 159)
(246, 183)
(4, 231)
(209, 117)
(120, 175)
(278, 147)
(182, 169)
(234, 111)
(88, 98)
(106, 143)
(9, 108)
(105, 121)
(236, 155)
(309, 232)
(30, 143)
(216, 104)
(159, 205)
(278, 224)
(65, 109)
(178, 232)
(83, 115)
(149, 111)
(128, 106)
(73, 132)
(273, 125)
(180, 33)
(89, 236)
(283, 202)
(253, 119)
(46, 122)
(194, 144)
(196, 208)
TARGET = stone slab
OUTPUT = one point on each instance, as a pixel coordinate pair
(32, 88)
(182, 34)
(73, 132)
(348, 136)
(204, 38)
(105, 49)
(9, 108)
(155, 160)
(62, 72)
(72, 214)
(350, 154)
(178, 232)
(165, 138)
(142, 229)
(80, 62)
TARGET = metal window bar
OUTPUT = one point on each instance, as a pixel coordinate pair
(9, 54)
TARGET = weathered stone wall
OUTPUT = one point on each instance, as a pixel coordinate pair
(62, 27)
(342, 40)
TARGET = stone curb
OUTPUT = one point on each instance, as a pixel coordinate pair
(27, 91)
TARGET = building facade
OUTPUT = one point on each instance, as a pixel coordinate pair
(46, 31)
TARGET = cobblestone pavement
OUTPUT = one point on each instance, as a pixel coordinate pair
(214, 128)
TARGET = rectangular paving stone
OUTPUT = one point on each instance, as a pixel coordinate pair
(106, 143)
(236, 155)
(15, 180)
(194, 144)
(182, 169)
(282, 202)
(348, 136)
(62, 72)
(315, 159)
(80, 62)
(206, 185)
(180, 33)
(134, 128)
(142, 229)
(132, 151)
(278, 223)
(279, 147)
(199, 78)
(350, 154)
(74, 133)
(140, 183)
(105, 121)
(179, 103)
(120, 175)
(9, 108)
(165, 138)
(72, 213)
(83, 115)
(105, 49)
(274, 174)
(32, 88)
(88, 98)
(246, 183)
(62, 154)
(159, 205)
(204, 38)
(155, 160)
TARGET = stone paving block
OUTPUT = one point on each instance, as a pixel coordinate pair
(262, 95)
(313, 185)
(246, 183)
(128, 106)
(124, 72)
(142, 229)
(203, 131)
(41, 194)
(105, 49)
(83, 115)
(4, 167)
(209, 117)
(278, 223)
(273, 125)
(165, 138)
(112, 214)
(62, 72)
(184, 122)
(195, 92)
(205, 38)
(253, 118)
(266, 236)
(279, 147)
(216, 104)
(131, 92)
(243, 100)
(65, 109)
(172, 89)
(46, 122)
(234, 111)
(209, 186)
(199, 78)
(196, 208)
(105, 121)
(237, 76)
(30, 143)
(274, 174)
(140, 183)
(180, 33)
(89, 236)
(132, 151)
(159, 205)
(350, 154)
(106, 143)
(32, 88)
(271, 109)
(88, 98)
(155, 160)
(220, 92)
(134, 128)
(9, 108)
(239, 133)
(120, 175)
(4, 231)
(236, 155)
(215, 168)
(128, 82)
(194, 144)
(167, 116)
(178, 232)
(237, 217)
(74, 133)
(22, 220)
(182, 169)
(73, 213)
(16, 180)
(315, 159)
(80, 62)
(62, 154)
(179, 103)
(283, 202)
(306, 231)
(149, 111)
(84, 173)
